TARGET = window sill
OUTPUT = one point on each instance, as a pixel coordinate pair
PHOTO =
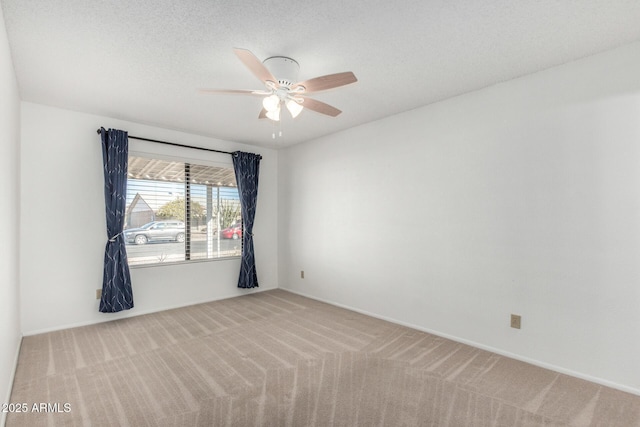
(195, 261)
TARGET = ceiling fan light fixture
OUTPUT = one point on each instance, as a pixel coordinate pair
(285, 88)
(294, 108)
(274, 114)
(271, 103)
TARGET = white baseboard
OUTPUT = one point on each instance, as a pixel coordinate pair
(125, 315)
(545, 365)
(3, 417)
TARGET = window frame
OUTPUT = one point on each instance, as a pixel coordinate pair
(207, 159)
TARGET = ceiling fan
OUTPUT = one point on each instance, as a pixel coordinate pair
(279, 75)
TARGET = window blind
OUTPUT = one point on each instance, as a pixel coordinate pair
(179, 211)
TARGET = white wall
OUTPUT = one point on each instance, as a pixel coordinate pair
(9, 217)
(520, 198)
(63, 229)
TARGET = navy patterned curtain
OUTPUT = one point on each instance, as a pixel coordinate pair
(247, 166)
(116, 281)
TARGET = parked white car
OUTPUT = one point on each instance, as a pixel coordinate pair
(156, 231)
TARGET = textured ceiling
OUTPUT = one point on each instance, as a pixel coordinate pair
(143, 61)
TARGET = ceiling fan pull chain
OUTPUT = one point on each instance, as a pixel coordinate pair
(273, 129)
(273, 133)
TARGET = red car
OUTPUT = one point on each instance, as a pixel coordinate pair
(234, 231)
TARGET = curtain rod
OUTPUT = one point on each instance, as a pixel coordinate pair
(175, 144)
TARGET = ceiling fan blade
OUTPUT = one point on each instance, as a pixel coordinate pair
(263, 114)
(327, 82)
(235, 92)
(320, 107)
(254, 65)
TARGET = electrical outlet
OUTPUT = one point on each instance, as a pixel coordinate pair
(516, 321)
(98, 293)
(302, 274)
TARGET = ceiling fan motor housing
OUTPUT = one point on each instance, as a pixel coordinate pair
(284, 69)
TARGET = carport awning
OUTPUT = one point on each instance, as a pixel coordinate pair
(163, 170)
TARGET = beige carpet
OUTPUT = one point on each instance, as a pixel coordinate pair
(278, 359)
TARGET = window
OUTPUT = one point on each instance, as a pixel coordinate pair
(178, 211)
